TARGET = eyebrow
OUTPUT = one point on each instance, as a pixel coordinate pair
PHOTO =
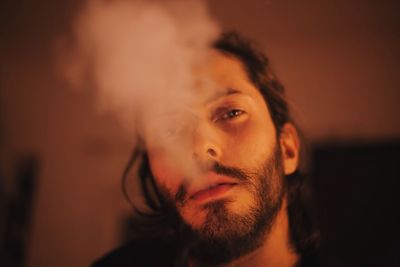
(228, 91)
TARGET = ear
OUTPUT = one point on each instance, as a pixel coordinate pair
(290, 145)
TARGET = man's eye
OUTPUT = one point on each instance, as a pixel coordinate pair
(231, 114)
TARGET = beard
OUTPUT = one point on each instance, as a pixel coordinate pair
(225, 235)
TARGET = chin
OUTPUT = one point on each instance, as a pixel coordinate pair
(218, 218)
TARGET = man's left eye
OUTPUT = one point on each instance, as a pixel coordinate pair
(231, 114)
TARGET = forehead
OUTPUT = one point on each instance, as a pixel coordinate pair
(224, 73)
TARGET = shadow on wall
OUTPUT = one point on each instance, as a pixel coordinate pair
(356, 187)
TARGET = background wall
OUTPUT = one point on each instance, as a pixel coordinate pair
(338, 60)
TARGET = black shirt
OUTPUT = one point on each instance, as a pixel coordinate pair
(160, 253)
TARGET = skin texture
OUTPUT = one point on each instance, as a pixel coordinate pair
(235, 129)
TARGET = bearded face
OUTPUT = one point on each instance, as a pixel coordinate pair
(230, 205)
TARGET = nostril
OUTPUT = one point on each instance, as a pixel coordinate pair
(211, 152)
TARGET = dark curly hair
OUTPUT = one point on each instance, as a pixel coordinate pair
(161, 220)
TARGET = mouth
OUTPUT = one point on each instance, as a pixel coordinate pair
(214, 191)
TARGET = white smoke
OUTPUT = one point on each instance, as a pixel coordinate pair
(139, 57)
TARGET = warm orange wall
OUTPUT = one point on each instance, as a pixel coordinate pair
(339, 61)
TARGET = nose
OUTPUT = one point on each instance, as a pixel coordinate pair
(206, 144)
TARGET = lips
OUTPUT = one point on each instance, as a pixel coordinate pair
(212, 191)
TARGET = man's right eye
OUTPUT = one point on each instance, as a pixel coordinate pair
(231, 114)
(228, 114)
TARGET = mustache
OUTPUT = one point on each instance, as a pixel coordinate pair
(233, 172)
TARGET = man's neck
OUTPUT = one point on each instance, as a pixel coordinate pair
(275, 251)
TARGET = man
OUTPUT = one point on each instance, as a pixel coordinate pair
(248, 207)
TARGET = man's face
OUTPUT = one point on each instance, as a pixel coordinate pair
(235, 143)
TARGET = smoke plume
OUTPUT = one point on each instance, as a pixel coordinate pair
(139, 57)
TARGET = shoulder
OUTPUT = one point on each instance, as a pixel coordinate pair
(151, 252)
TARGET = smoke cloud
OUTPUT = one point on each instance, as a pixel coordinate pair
(140, 56)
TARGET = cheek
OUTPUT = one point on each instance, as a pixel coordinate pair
(163, 173)
(250, 144)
